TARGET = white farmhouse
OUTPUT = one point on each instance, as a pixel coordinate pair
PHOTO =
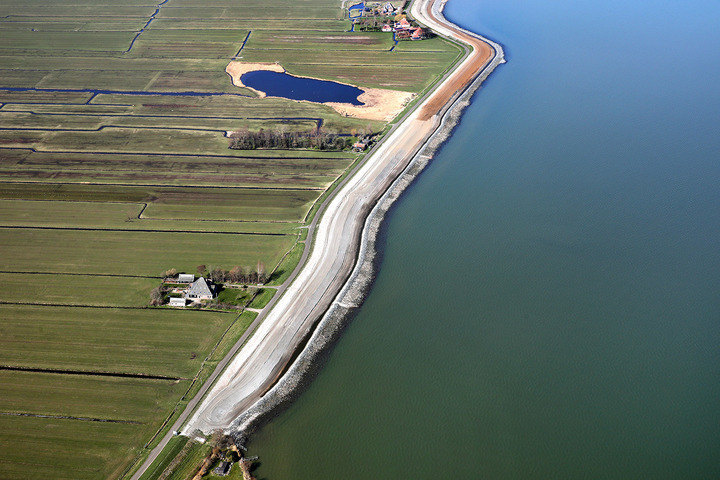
(199, 290)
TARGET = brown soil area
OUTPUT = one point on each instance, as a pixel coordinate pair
(480, 56)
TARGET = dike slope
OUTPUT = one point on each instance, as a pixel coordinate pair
(339, 267)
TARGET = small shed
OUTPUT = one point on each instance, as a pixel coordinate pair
(186, 278)
(177, 302)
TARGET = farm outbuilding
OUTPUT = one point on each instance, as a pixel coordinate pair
(186, 278)
(177, 302)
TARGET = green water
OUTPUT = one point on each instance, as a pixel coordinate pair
(548, 304)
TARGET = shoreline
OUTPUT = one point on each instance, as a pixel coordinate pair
(259, 368)
(328, 329)
(254, 382)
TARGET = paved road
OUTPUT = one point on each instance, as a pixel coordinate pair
(252, 370)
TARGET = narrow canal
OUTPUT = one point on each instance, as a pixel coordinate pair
(548, 302)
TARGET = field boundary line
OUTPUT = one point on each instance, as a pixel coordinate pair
(89, 373)
(26, 272)
(140, 230)
(70, 417)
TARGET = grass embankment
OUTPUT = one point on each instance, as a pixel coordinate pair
(287, 265)
(264, 295)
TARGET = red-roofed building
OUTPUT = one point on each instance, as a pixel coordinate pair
(418, 34)
(402, 24)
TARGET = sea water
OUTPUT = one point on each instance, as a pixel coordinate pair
(548, 303)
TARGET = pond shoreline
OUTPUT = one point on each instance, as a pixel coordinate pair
(377, 103)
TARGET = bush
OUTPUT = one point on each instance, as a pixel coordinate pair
(247, 140)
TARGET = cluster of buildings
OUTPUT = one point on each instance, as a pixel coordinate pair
(387, 18)
(376, 9)
(361, 144)
(195, 292)
(404, 30)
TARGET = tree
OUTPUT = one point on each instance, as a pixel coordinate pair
(261, 277)
(202, 270)
(156, 296)
(235, 275)
(172, 273)
(217, 275)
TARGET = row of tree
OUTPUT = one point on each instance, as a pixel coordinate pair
(237, 274)
(371, 24)
(244, 139)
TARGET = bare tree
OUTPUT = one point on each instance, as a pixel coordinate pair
(260, 272)
(235, 274)
(217, 275)
(172, 273)
(156, 296)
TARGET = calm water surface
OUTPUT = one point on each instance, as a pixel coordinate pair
(276, 84)
(549, 300)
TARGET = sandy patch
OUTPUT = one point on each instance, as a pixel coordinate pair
(238, 69)
(380, 104)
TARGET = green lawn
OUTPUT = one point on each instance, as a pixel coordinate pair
(236, 296)
(34, 448)
(116, 215)
(287, 265)
(132, 400)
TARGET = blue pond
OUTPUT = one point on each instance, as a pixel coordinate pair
(276, 84)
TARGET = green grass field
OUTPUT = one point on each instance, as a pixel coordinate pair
(92, 290)
(115, 166)
(149, 342)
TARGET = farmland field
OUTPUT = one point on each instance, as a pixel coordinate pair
(115, 167)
